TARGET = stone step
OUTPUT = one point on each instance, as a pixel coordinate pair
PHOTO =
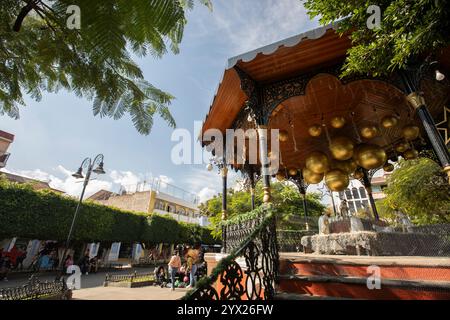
(296, 296)
(356, 287)
(401, 268)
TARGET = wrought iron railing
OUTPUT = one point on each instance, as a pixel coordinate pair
(37, 290)
(254, 276)
(133, 277)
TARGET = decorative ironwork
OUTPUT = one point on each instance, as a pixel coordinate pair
(254, 279)
(251, 89)
(37, 290)
(133, 277)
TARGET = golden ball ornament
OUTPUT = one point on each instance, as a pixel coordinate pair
(315, 130)
(293, 172)
(358, 174)
(370, 156)
(402, 147)
(311, 177)
(341, 148)
(317, 162)
(337, 122)
(411, 154)
(283, 136)
(280, 176)
(348, 166)
(388, 167)
(411, 132)
(337, 180)
(389, 121)
(369, 132)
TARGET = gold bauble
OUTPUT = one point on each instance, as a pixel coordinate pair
(410, 132)
(293, 172)
(337, 122)
(280, 176)
(388, 167)
(402, 147)
(341, 148)
(369, 132)
(337, 180)
(411, 154)
(370, 156)
(317, 162)
(283, 136)
(348, 166)
(358, 174)
(311, 177)
(315, 130)
(389, 121)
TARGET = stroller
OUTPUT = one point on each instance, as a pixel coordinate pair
(161, 277)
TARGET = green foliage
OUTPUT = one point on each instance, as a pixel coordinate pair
(420, 189)
(94, 62)
(47, 215)
(408, 28)
(285, 198)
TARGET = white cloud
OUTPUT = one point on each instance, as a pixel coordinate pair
(124, 178)
(206, 193)
(66, 183)
(248, 25)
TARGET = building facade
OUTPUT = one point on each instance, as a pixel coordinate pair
(6, 139)
(155, 197)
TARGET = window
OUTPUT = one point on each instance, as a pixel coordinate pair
(348, 194)
(358, 205)
(351, 206)
(355, 193)
(362, 192)
(341, 195)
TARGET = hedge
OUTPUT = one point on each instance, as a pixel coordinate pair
(34, 214)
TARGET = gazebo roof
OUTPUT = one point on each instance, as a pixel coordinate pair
(280, 60)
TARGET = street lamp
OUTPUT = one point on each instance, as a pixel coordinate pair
(88, 165)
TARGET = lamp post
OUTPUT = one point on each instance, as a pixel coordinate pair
(87, 165)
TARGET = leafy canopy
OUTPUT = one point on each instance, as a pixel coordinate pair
(420, 189)
(408, 28)
(285, 199)
(38, 52)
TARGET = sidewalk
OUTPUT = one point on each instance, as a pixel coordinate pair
(114, 293)
(91, 280)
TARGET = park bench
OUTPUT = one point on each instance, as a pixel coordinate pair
(132, 280)
(37, 290)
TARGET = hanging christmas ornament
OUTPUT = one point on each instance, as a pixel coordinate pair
(388, 167)
(402, 147)
(293, 172)
(317, 162)
(311, 177)
(348, 166)
(280, 176)
(411, 154)
(389, 121)
(337, 122)
(315, 130)
(283, 136)
(336, 180)
(411, 132)
(370, 156)
(369, 132)
(358, 174)
(341, 148)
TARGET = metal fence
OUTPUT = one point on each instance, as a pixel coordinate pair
(37, 290)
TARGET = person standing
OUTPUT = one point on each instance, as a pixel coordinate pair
(174, 266)
(192, 262)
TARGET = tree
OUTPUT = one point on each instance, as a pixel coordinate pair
(408, 28)
(42, 50)
(420, 189)
(285, 198)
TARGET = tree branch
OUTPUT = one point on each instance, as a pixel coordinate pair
(22, 14)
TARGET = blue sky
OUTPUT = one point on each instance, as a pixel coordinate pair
(54, 135)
